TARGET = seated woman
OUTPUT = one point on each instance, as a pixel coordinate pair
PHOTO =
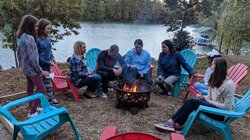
(221, 92)
(210, 57)
(78, 72)
(169, 68)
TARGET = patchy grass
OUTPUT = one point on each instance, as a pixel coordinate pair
(92, 115)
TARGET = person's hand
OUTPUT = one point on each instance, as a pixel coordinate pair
(119, 71)
(141, 75)
(45, 73)
(207, 98)
(160, 77)
(52, 62)
(115, 72)
(132, 66)
(90, 72)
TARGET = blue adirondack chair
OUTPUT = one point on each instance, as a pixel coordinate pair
(191, 58)
(38, 127)
(91, 57)
(241, 107)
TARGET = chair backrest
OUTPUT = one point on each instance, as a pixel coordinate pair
(91, 57)
(190, 57)
(134, 136)
(57, 72)
(237, 73)
(243, 104)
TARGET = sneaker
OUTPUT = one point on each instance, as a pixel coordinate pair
(163, 127)
(32, 115)
(39, 109)
(178, 130)
(53, 101)
(104, 95)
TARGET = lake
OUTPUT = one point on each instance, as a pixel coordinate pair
(103, 35)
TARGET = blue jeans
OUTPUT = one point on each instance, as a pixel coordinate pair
(200, 86)
(92, 82)
(189, 106)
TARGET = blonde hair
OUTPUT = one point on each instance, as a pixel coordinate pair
(77, 47)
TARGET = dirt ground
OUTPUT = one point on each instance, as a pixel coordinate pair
(92, 115)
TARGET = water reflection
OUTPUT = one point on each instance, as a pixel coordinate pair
(102, 35)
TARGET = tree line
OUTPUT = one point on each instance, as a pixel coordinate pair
(228, 17)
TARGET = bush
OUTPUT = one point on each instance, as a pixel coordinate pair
(182, 40)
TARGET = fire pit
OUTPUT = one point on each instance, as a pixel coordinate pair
(132, 94)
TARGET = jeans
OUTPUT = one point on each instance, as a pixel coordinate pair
(169, 80)
(189, 106)
(200, 86)
(32, 82)
(105, 78)
(91, 81)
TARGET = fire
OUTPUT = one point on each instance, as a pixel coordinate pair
(132, 89)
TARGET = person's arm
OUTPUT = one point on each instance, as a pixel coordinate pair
(159, 68)
(185, 65)
(127, 58)
(101, 61)
(229, 92)
(76, 68)
(32, 52)
(121, 61)
(147, 67)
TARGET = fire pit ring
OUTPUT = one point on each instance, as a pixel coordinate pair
(132, 94)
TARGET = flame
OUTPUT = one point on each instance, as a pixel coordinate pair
(132, 89)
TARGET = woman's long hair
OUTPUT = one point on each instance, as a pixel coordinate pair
(77, 48)
(27, 25)
(42, 23)
(219, 74)
(170, 45)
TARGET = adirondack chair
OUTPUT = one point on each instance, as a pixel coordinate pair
(62, 83)
(91, 57)
(241, 107)
(237, 73)
(111, 133)
(38, 127)
(59, 81)
(191, 58)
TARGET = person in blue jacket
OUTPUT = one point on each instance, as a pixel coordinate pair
(169, 68)
(46, 58)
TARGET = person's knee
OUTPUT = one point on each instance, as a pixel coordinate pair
(196, 85)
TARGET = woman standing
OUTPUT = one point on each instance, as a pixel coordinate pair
(27, 54)
(221, 92)
(78, 72)
(46, 58)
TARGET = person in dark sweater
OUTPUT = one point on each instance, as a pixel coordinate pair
(169, 67)
(105, 67)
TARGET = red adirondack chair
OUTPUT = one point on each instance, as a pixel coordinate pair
(237, 73)
(62, 83)
(111, 133)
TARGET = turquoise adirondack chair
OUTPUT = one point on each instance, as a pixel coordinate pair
(191, 58)
(91, 57)
(241, 107)
(38, 127)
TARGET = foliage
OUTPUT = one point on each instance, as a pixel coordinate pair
(182, 40)
(60, 13)
(234, 24)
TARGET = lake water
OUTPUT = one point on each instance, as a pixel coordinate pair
(103, 35)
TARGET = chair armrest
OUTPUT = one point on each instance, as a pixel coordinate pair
(7, 115)
(218, 111)
(61, 77)
(195, 77)
(42, 116)
(24, 100)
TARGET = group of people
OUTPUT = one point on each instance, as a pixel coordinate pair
(35, 58)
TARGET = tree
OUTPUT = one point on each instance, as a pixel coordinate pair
(234, 25)
(60, 13)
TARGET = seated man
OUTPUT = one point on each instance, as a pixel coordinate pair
(138, 61)
(105, 67)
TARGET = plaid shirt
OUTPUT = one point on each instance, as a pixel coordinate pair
(77, 69)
